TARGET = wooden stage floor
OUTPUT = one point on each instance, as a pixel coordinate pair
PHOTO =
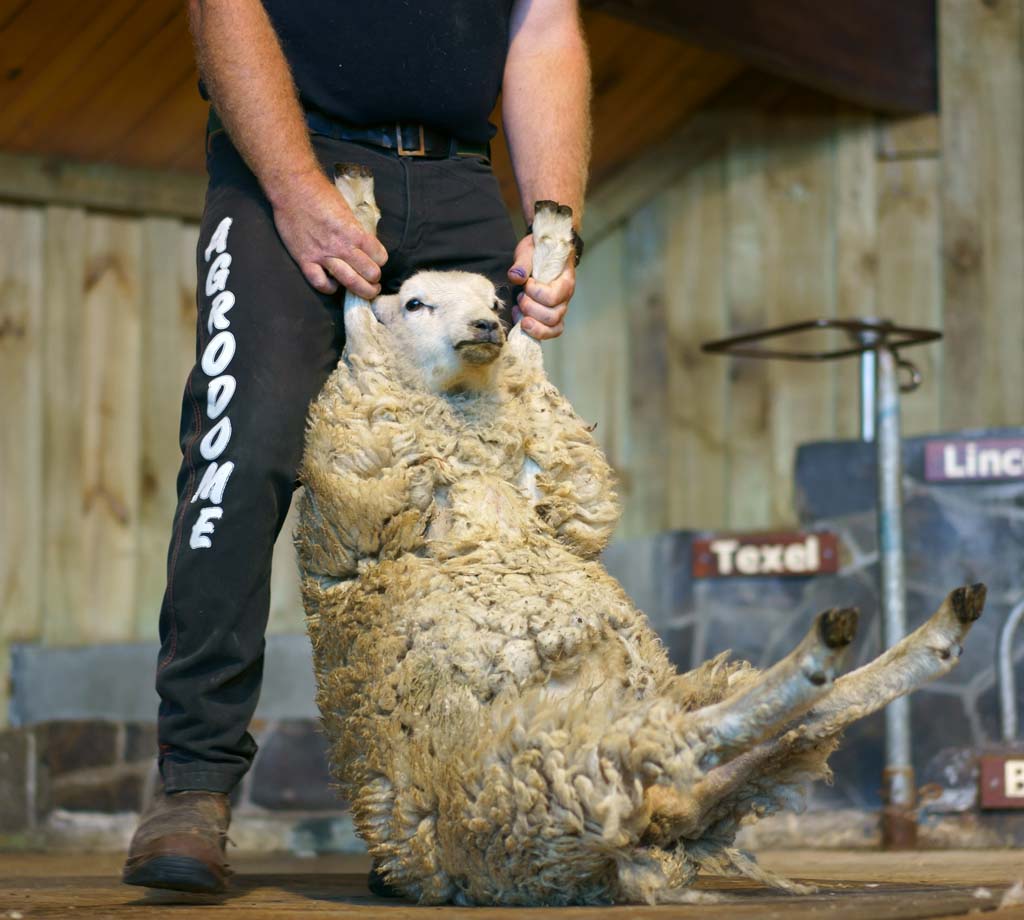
(872, 886)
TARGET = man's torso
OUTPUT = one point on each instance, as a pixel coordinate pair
(373, 62)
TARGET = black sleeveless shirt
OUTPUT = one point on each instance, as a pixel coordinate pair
(376, 62)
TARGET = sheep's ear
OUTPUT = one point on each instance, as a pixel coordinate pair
(552, 240)
(355, 182)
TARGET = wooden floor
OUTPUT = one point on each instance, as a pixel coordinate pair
(852, 885)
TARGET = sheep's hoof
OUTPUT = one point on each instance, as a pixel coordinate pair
(352, 171)
(968, 602)
(838, 627)
(562, 210)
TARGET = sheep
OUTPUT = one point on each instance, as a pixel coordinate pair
(504, 722)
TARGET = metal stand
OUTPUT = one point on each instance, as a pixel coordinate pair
(877, 342)
(1007, 679)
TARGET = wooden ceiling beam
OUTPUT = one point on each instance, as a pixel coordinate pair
(879, 53)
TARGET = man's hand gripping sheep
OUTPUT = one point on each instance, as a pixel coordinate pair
(506, 725)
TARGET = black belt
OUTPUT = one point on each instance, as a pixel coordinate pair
(403, 140)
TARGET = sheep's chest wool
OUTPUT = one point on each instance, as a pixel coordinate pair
(465, 669)
(504, 722)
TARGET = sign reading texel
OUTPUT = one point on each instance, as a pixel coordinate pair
(973, 461)
(766, 554)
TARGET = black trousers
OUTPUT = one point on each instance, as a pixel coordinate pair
(265, 344)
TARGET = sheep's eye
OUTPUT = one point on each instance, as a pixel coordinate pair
(413, 305)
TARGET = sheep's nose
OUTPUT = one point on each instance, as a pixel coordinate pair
(485, 325)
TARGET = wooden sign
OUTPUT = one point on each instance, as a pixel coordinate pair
(779, 554)
(947, 460)
(1002, 780)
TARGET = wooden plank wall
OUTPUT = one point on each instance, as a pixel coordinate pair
(97, 335)
(96, 331)
(784, 206)
(805, 207)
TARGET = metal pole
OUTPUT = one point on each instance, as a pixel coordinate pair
(868, 394)
(1007, 679)
(868, 379)
(899, 821)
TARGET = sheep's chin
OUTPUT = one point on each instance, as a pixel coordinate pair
(478, 353)
(471, 376)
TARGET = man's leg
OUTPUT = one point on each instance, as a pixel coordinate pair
(266, 342)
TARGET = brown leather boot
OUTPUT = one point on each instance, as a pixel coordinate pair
(179, 843)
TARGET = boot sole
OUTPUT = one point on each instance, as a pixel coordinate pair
(175, 873)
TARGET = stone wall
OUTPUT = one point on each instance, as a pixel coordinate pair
(80, 784)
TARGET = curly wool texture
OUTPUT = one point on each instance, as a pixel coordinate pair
(497, 708)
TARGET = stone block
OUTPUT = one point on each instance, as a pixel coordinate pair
(66, 747)
(15, 808)
(951, 778)
(108, 791)
(114, 681)
(290, 771)
(140, 742)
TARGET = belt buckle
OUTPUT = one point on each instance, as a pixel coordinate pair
(421, 151)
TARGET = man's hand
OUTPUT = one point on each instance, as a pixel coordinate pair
(324, 238)
(540, 307)
(247, 76)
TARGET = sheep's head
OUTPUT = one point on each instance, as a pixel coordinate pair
(445, 325)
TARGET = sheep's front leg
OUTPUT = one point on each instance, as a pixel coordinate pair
(552, 240)
(564, 472)
(369, 487)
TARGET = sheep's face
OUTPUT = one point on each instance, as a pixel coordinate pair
(446, 325)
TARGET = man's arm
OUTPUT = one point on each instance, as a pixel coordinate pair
(546, 111)
(248, 79)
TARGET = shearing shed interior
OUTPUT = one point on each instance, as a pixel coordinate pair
(846, 177)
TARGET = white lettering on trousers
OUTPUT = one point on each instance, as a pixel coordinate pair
(214, 481)
(215, 360)
(219, 394)
(223, 302)
(218, 354)
(203, 528)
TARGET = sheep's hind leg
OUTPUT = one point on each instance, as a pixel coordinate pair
(927, 653)
(784, 691)
(775, 698)
(933, 649)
